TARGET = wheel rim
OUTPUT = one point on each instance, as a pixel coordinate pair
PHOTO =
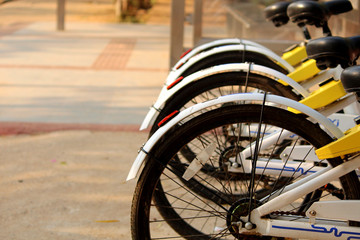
(191, 214)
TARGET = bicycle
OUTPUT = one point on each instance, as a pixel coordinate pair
(270, 202)
(231, 78)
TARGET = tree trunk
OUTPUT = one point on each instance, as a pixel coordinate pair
(145, 4)
(130, 7)
(121, 8)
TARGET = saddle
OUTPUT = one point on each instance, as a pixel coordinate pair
(305, 12)
(350, 79)
(316, 13)
(277, 13)
(331, 51)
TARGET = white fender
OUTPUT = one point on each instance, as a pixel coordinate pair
(212, 44)
(278, 100)
(176, 73)
(165, 94)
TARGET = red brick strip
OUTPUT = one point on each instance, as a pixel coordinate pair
(15, 128)
(13, 28)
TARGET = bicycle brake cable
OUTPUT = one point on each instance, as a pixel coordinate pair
(255, 158)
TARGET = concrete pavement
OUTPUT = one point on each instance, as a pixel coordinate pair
(92, 73)
(67, 185)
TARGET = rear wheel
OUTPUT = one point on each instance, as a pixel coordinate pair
(165, 205)
(218, 85)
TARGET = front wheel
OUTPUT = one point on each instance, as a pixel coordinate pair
(166, 206)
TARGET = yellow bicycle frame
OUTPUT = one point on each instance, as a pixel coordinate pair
(345, 145)
(323, 96)
(306, 69)
(295, 55)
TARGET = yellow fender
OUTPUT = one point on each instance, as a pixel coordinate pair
(344, 145)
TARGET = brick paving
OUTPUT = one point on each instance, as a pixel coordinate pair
(115, 55)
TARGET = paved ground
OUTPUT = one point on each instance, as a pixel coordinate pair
(95, 80)
(91, 73)
(67, 185)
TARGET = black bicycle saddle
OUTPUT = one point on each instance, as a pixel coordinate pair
(350, 79)
(331, 51)
(316, 13)
(277, 13)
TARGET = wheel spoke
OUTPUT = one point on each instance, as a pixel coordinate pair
(214, 203)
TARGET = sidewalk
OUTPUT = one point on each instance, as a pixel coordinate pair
(90, 74)
(94, 76)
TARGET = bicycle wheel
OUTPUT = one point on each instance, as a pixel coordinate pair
(214, 86)
(165, 206)
(233, 57)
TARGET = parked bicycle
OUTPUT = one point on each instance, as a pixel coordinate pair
(245, 77)
(253, 171)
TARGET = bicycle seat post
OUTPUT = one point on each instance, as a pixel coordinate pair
(305, 32)
(326, 30)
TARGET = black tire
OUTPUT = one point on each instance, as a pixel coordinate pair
(234, 57)
(188, 215)
(219, 85)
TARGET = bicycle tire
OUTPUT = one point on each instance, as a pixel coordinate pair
(174, 225)
(234, 57)
(218, 85)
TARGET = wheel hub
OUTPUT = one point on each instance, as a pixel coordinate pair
(225, 163)
(234, 222)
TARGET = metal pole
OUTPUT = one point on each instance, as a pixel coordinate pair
(60, 15)
(176, 30)
(197, 30)
(120, 8)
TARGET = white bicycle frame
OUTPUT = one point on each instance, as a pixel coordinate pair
(289, 166)
(330, 127)
(322, 216)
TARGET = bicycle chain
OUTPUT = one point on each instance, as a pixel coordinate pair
(332, 191)
(282, 213)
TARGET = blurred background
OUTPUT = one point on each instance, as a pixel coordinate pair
(214, 18)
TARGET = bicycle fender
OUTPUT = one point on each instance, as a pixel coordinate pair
(213, 44)
(180, 69)
(166, 94)
(333, 130)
